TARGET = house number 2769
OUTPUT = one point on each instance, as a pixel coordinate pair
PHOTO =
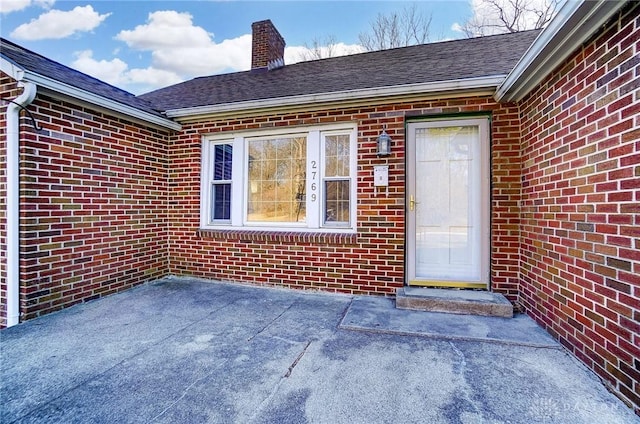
(314, 177)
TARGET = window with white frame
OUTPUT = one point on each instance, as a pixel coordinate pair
(294, 179)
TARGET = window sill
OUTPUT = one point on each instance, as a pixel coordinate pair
(247, 236)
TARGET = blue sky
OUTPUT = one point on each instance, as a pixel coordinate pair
(141, 45)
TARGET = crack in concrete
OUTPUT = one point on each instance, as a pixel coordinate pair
(122, 361)
(276, 387)
(271, 322)
(184, 393)
(465, 390)
(298, 358)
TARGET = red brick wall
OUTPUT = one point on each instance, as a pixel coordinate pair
(581, 205)
(371, 262)
(93, 206)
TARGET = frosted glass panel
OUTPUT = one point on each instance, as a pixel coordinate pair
(448, 188)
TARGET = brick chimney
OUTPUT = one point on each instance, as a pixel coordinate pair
(267, 46)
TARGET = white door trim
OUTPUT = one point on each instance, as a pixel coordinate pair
(483, 125)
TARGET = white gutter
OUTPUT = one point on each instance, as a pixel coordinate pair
(80, 94)
(491, 81)
(13, 200)
(57, 87)
(576, 21)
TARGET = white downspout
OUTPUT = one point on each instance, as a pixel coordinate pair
(13, 200)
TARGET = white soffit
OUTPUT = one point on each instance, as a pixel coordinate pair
(575, 22)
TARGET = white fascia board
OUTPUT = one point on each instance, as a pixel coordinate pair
(11, 69)
(575, 22)
(55, 86)
(468, 84)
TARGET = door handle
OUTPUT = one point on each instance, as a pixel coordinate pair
(412, 203)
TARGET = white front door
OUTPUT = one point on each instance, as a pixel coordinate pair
(448, 203)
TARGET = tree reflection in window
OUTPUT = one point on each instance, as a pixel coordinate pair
(277, 178)
(336, 179)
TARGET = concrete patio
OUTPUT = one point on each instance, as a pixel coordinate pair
(182, 350)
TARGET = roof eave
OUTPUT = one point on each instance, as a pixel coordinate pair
(573, 25)
(472, 85)
(10, 68)
(54, 86)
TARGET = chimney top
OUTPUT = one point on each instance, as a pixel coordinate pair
(267, 46)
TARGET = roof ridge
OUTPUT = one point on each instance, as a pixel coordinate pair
(413, 46)
(361, 54)
(450, 60)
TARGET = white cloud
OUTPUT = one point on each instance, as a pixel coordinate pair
(60, 24)
(178, 46)
(456, 27)
(165, 29)
(229, 55)
(108, 71)
(180, 50)
(152, 78)
(116, 72)
(8, 6)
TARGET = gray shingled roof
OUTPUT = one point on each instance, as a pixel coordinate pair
(443, 61)
(43, 66)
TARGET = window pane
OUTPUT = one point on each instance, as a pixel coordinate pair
(336, 155)
(221, 195)
(277, 180)
(222, 162)
(337, 202)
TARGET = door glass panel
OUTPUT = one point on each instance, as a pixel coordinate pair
(449, 187)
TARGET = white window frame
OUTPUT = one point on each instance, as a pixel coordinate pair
(239, 184)
(208, 182)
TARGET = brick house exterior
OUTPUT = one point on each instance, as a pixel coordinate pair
(93, 205)
(580, 217)
(110, 199)
(369, 262)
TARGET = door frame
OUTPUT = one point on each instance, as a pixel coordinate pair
(484, 124)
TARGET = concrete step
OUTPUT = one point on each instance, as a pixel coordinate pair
(467, 302)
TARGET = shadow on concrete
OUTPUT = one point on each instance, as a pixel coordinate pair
(188, 351)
